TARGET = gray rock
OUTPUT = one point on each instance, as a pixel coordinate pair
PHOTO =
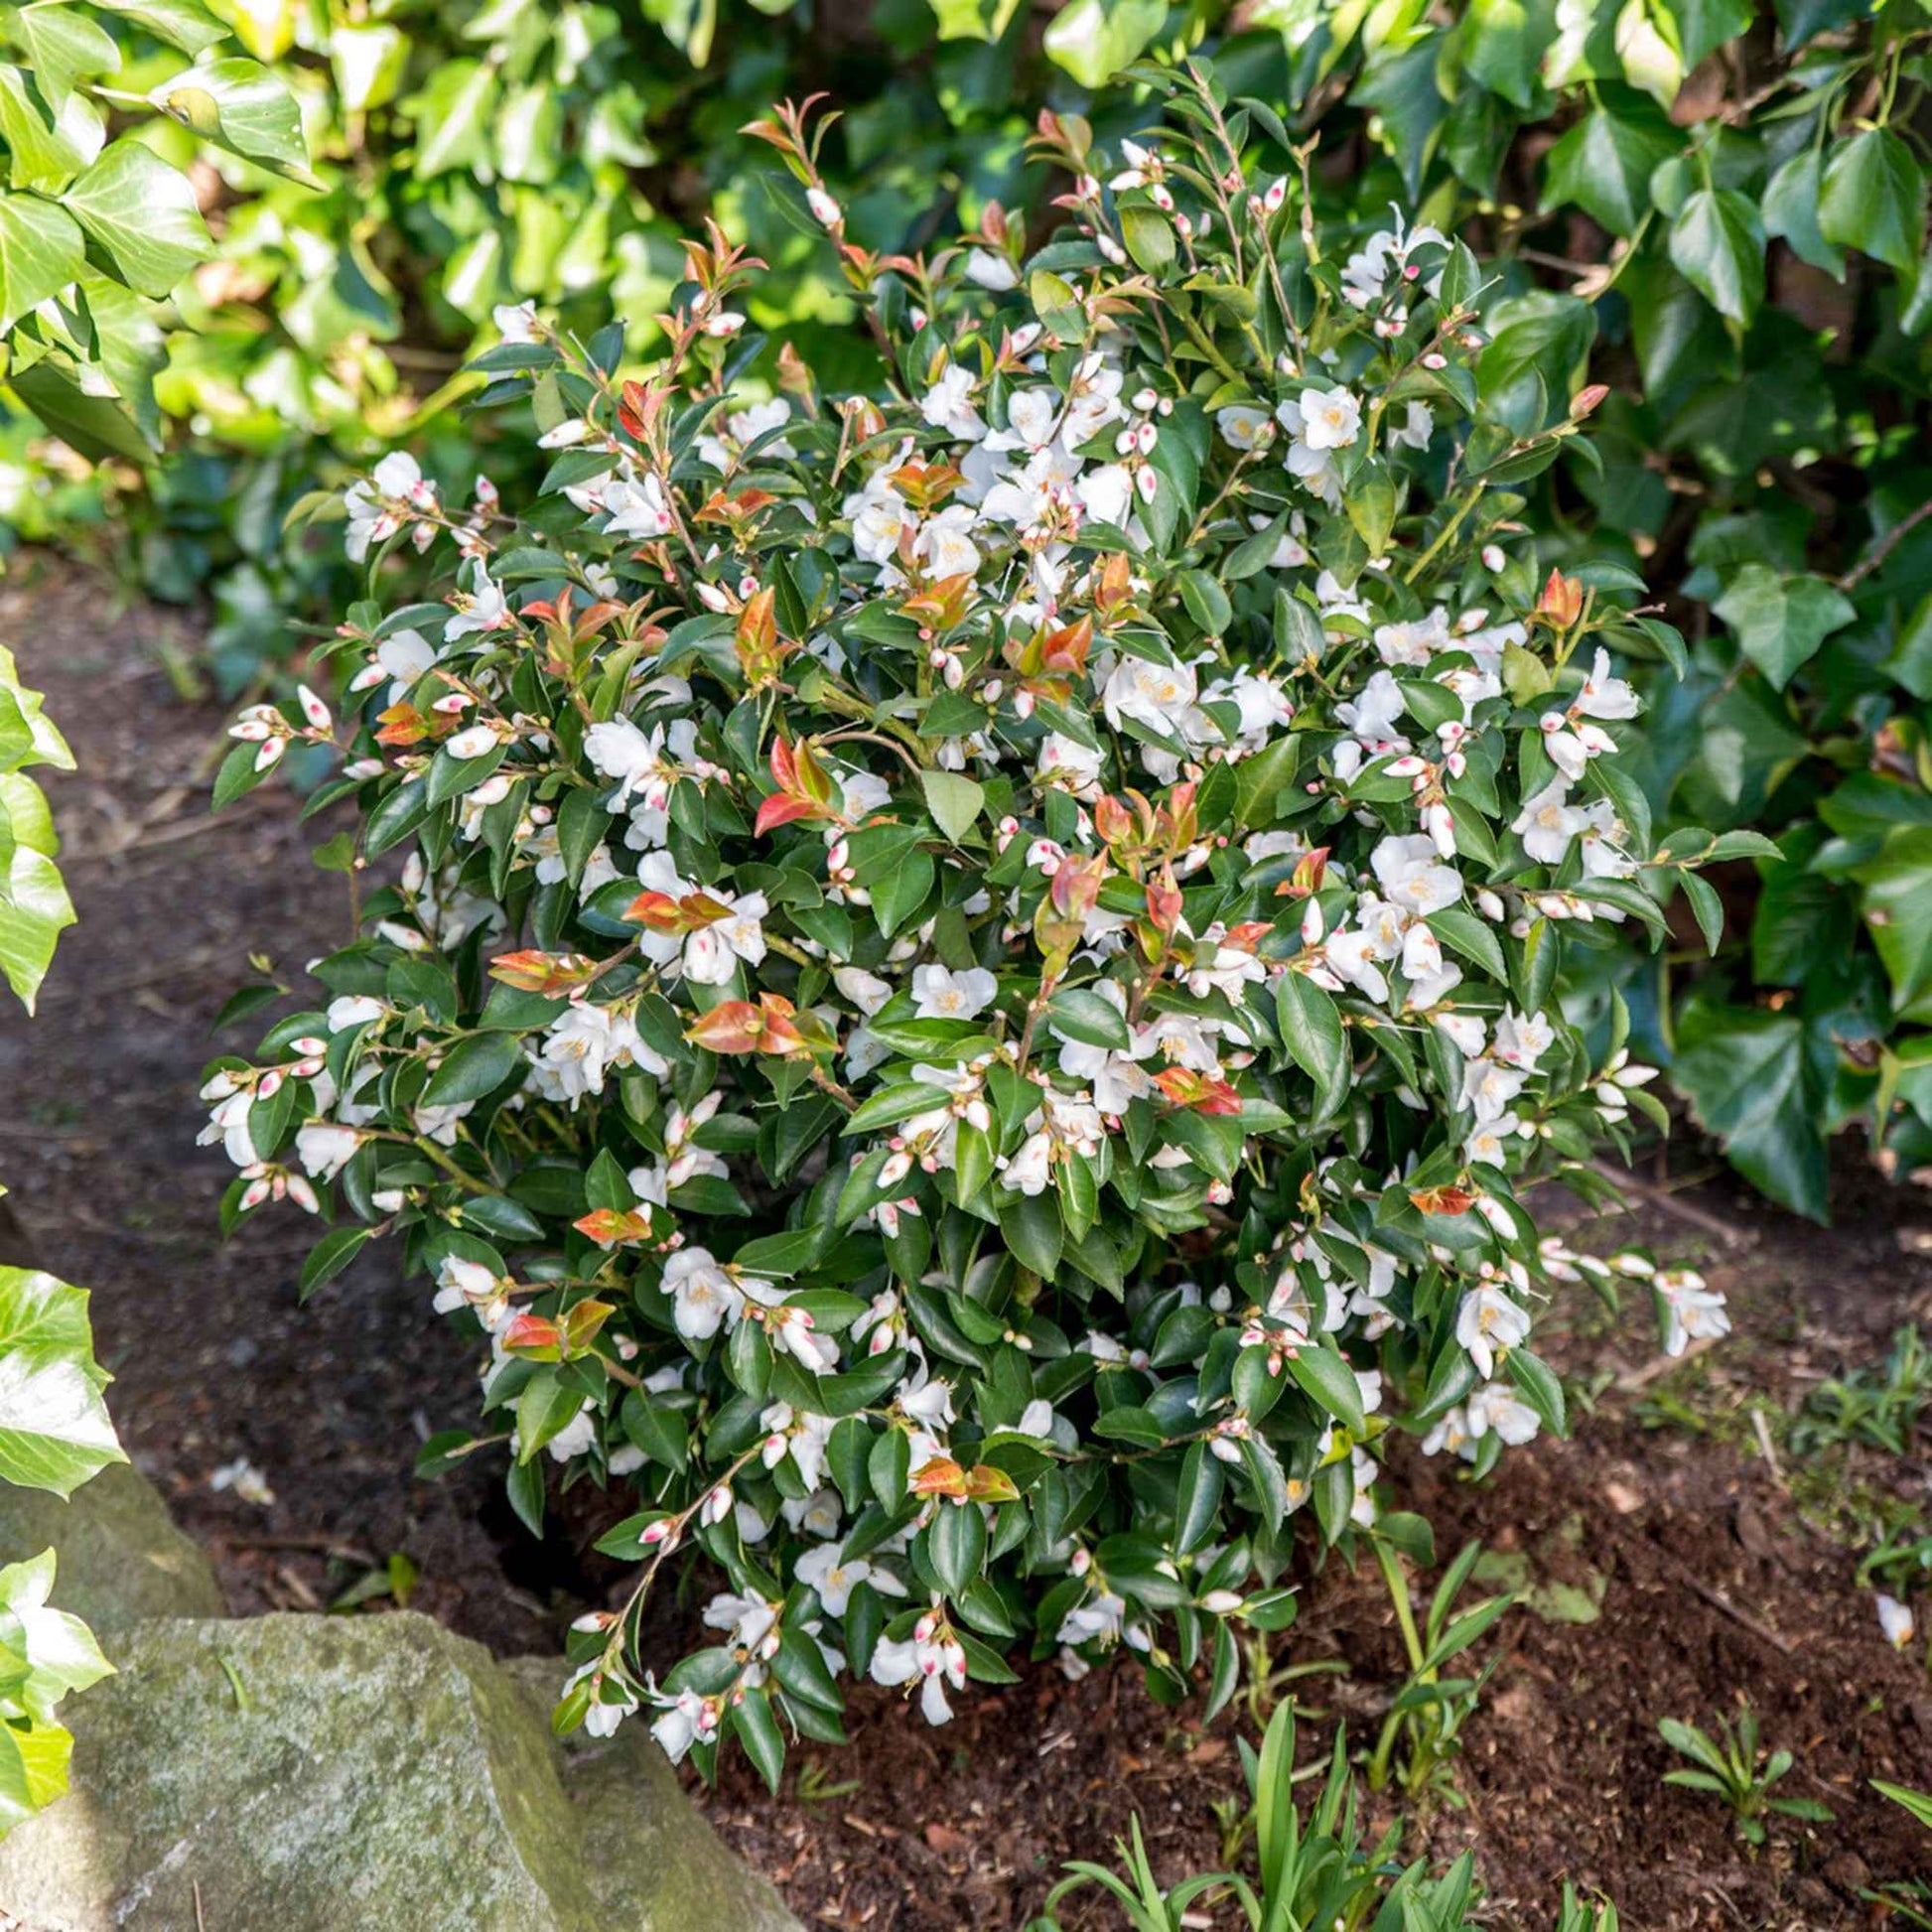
(118, 1555)
(323, 1774)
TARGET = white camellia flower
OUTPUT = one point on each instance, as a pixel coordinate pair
(1895, 1620)
(1487, 1320)
(1331, 419)
(586, 1041)
(379, 506)
(989, 271)
(637, 510)
(1691, 1310)
(1547, 825)
(713, 952)
(1604, 696)
(938, 993)
(1160, 696)
(1242, 426)
(705, 1296)
(835, 1577)
(927, 1660)
(948, 404)
(517, 321)
(325, 1149)
(1411, 875)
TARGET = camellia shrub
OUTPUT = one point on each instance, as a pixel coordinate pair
(956, 982)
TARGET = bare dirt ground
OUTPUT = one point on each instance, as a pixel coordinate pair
(1699, 1551)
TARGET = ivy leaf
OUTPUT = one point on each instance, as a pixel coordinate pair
(58, 1651)
(181, 23)
(1791, 212)
(453, 118)
(33, 1770)
(40, 252)
(1503, 42)
(1780, 622)
(1604, 164)
(40, 155)
(61, 44)
(33, 905)
(1094, 39)
(141, 213)
(1717, 243)
(243, 107)
(1754, 1079)
(55, 1431)
(1898, 908)
(1874, 198)
(1703, 26)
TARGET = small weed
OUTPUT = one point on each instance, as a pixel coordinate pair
(1268, 1681)
(1877, 1408)
(394, 1579)
(817, 1786)
(1908, 1900)
(1732, 1766)
(1429, 1710)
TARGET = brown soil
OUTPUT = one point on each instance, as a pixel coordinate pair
(1712, 1580)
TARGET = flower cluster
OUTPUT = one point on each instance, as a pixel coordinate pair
(958, 981)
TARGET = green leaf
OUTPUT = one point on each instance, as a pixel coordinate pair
(973, 19)
(1503, 42)
(1326, 1379)
(1149, 235)
(61, 44)
(55, 1431)
(33, 905)
(954, 803)
(1094, 39)
(1791, 212)
(1910, 661)
(477, 1067)
(141, 213)
(243, 107)
(1754, 1081)
(181, 23)
(1537, 1383)
(96, 425)
(1604, 164)
(48, 1652)
(1918, 1803)
(756, 1725)
(38, 154)
(1197, 1499)
(1874, 198)
(33, 1770)
(453, 118)
(1031, 1226)
(1716, 245)
(1897, 909)
(1705, 907)
(1312, 1031)
(40, 252)
(957, 1545)
(329, 1256)
(546, 1407)
(1082, 1015)
(1780, 622)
